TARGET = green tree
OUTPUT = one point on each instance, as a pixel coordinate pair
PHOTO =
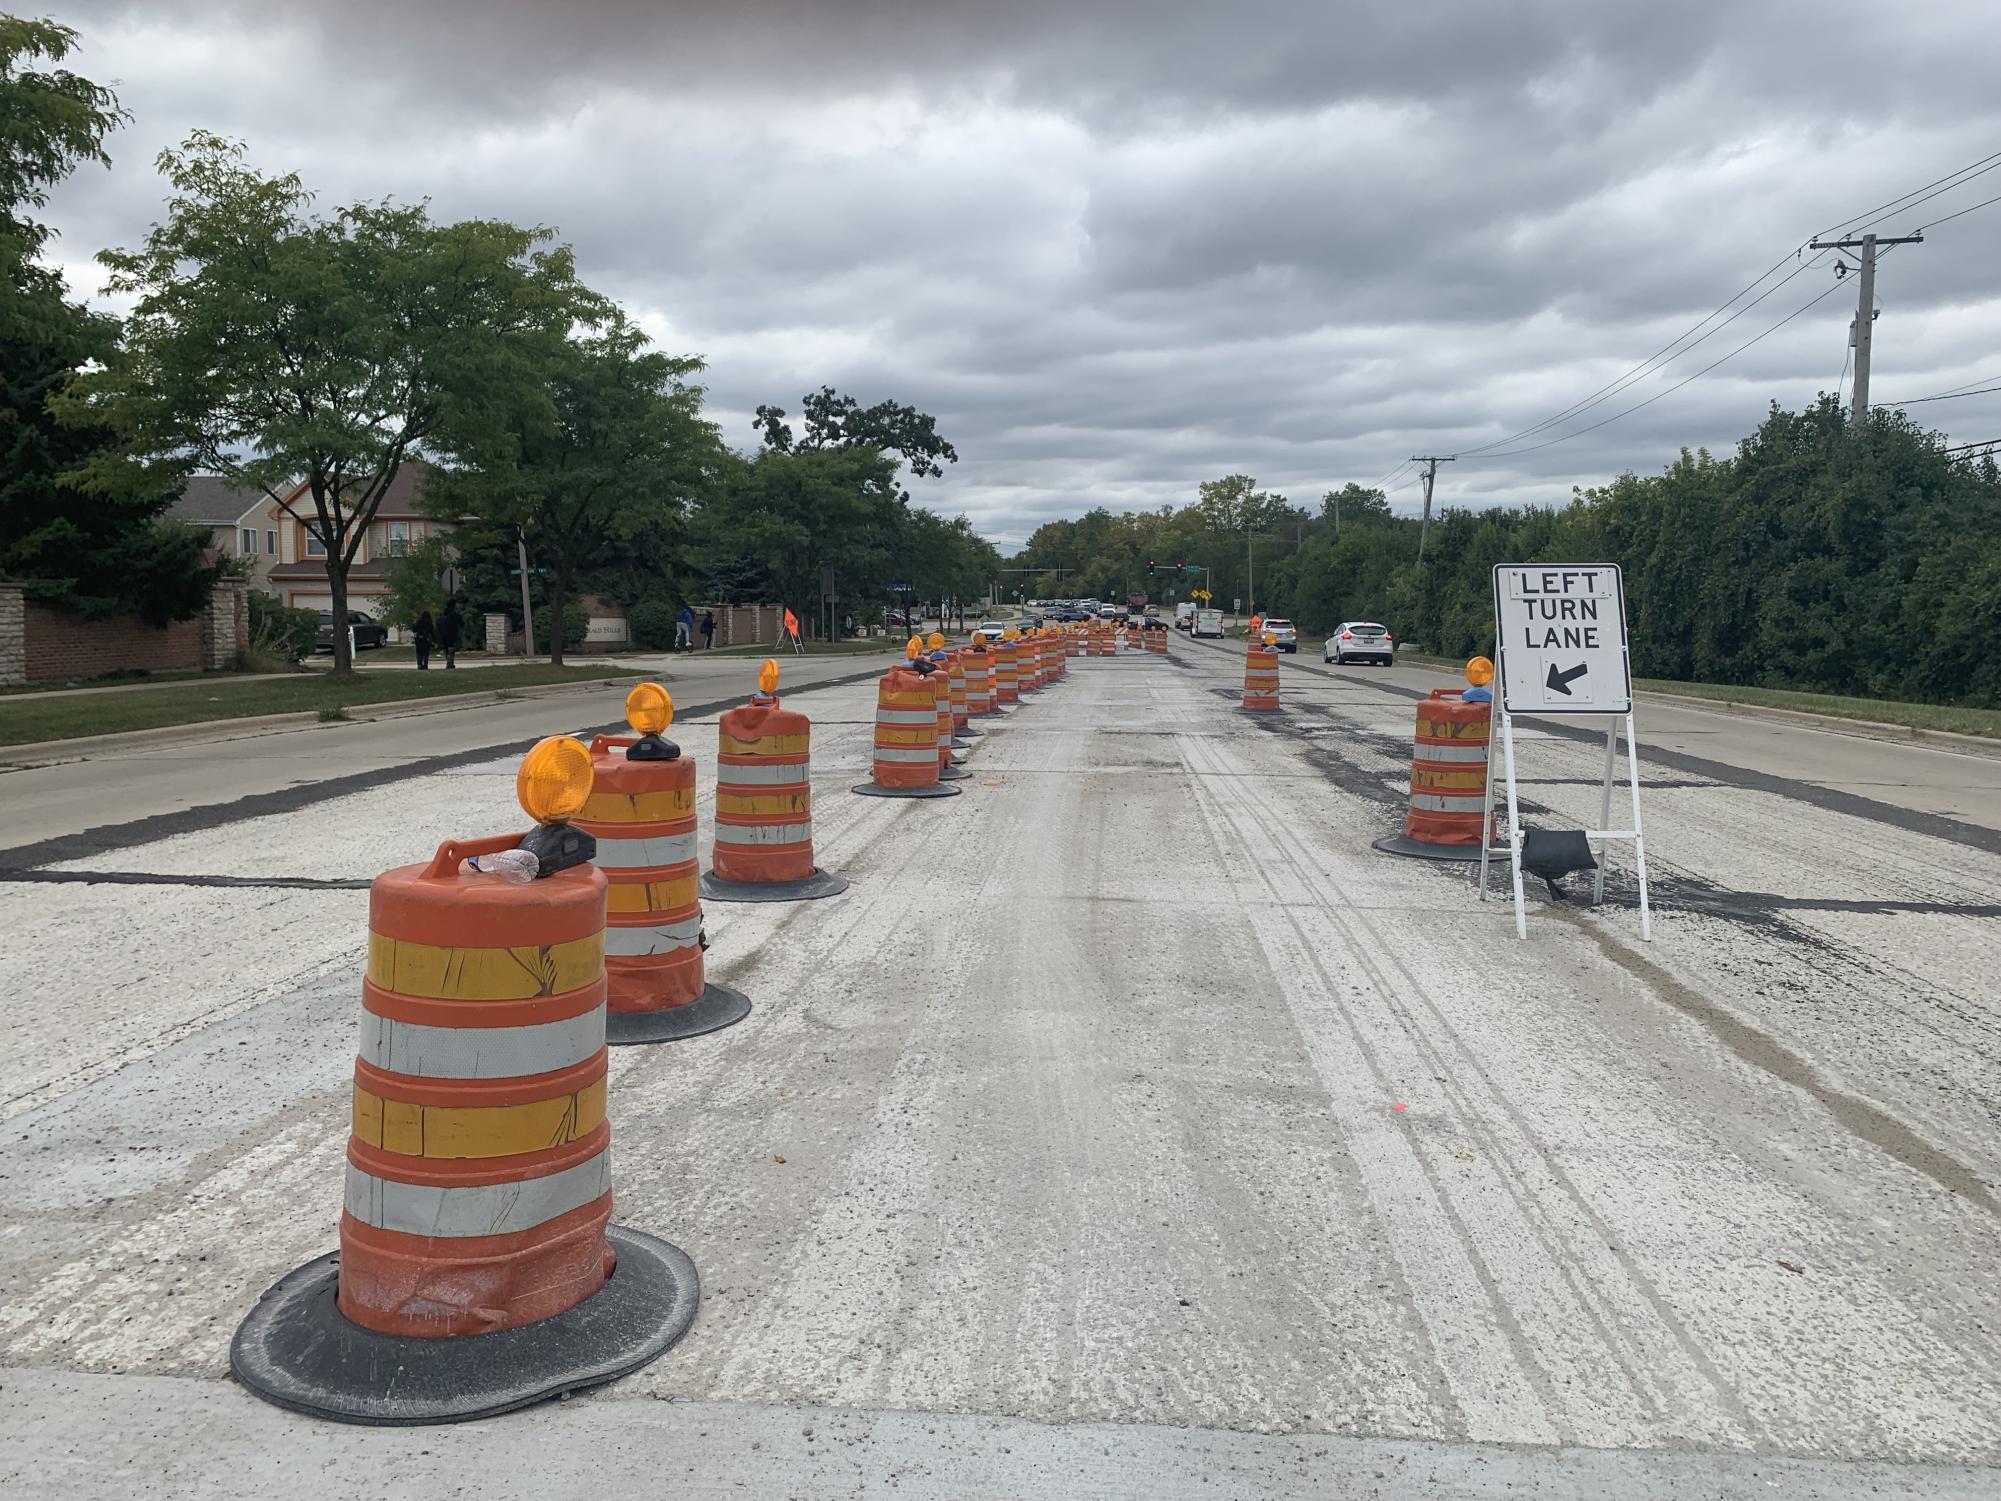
(114, 554)
(831, 420)
(620, 457)
(272, 344)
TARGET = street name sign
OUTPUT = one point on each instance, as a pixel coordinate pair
(1561, 630)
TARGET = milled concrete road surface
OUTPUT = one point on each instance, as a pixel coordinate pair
(1129, 1128)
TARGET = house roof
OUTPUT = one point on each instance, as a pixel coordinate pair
(211, 500)
(398, 503)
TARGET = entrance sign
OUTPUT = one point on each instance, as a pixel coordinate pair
(1562, 634)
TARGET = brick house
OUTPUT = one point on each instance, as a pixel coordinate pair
(300, 575)
(238, 521)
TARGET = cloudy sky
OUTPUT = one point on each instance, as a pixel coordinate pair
(1118, 248)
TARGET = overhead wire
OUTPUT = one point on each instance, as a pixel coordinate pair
(1694, 335)
(1941, 396)
(1983, 203)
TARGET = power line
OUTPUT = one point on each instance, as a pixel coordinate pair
(1984, 203)
(1917, 195)
(1942, 396)
(1628, 411)
(1606, 392)
(1894, 203)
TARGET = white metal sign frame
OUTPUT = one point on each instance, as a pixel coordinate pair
(1603, 834)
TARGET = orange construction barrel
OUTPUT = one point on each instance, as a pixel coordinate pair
(476, 1260)
(905, 762)
(642, 814)
(1448, 781)
(1261, 677)
(764, 808)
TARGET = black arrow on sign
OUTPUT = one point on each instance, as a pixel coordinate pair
(1559, 682)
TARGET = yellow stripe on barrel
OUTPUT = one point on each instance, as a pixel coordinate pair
(639, 807)
(455, 974)
(470, 1131)
(653, 896)
(764, 745)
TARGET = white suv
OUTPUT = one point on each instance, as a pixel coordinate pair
(1284, 637)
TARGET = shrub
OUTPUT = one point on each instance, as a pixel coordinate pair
(279, 632)
(652, 624)
(576, 626)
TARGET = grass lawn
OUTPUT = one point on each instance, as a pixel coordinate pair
(31, 718)
(852, 647)
(1876, 710)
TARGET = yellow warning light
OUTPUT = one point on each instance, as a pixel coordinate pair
(1010, 635)
(554, 780)
(911, 648)
(936, 641)
(767, 675)
(1480, 672)
(649, 708)
(1270, 639)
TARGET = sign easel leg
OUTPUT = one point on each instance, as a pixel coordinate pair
(1639, 835)
(1514, 826)
(1605, 805)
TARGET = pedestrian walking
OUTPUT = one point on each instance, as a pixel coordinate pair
(426, 631)
(684, 626)
(708, 630)
(450, 627)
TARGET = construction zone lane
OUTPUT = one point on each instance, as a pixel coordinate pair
(1129, 1102)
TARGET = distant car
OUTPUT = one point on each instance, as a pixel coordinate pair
(1360, 641)
(992, 630)
(1114, 612)
(369, 633)
(898, 617)
(1284, 637)
(1152, 609)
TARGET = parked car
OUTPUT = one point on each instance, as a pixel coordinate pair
(1284, 637)
(1360, 641)
(898, 618)
(369, 634)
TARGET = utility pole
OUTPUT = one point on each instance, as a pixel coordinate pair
(1865, 310)
(527, 609)
(1430, 475)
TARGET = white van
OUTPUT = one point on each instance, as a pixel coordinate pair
(1209, 623)
(1184, 616)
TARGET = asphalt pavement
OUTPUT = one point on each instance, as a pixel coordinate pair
(1130, 1127)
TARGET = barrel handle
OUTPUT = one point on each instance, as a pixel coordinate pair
(445, 863)
(611, 742)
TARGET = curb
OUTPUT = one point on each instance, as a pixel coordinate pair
(214, 731)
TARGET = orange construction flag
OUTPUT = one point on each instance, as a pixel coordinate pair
(791, 624)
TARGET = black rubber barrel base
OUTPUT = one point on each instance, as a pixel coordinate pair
(811, 888)
(715, 1008)
(1403, 844)
(953, 773)
(969, 733)
(297, 1350)
(934, 789)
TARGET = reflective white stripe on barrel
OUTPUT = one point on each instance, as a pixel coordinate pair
(915, 754)
(653, 938)
(1425, 750)
(906, 716)
(479, 1052)
(782, 774)
(487, 1209)
(644, 854)
(774, 833)
(1430, 803)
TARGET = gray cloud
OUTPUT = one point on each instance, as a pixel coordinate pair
(1117, 248)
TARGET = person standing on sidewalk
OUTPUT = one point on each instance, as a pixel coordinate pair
(684, 626)
(708, 630)
(425, 632)
(449, 629)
